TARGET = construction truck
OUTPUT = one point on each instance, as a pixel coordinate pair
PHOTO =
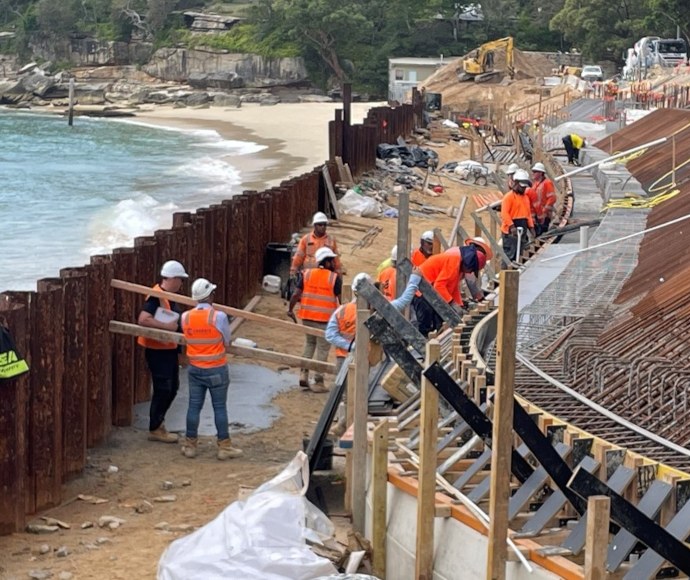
(479, 65)
(651, 51)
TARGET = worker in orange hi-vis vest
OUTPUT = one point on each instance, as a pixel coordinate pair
(207, 333)
(445, 271)
(425, 249)
(162, 357)
(387, 276)
(542, 197)
(516, 212)
(318, 293)
(305, 256)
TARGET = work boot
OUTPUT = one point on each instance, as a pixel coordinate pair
(304, 379)
(226, 450)
(162, 435)
(189, 447)
(318, 387)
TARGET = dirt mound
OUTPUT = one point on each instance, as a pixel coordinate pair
(477, 98)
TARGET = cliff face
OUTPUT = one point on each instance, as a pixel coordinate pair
(248, 70)
(200, 68)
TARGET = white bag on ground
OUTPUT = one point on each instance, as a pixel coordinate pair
(260, 538)
(352, 203)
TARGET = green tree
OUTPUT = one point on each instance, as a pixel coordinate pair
(56, 19)
(602, 29)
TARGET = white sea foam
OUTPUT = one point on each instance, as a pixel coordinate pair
(210, 169)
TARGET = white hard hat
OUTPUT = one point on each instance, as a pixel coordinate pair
(359, 278)
(521, 175)
(323, 253)
(539, 167)
(428, 236)
(394, 253)
(512, 168)
(202, 288)
(173, 269)
(319, 218)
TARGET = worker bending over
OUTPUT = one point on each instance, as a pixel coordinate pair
(516, 212)
(444, 272)
(318, 292)
(305, 256)
(542, 197)
(340, 331)
(573, 143)
(207, 334)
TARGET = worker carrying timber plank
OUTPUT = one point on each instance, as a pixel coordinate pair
(516, 212)
(305, 256)
(162, 357)
(445, 272)
(573, 143)
(542, 197)
(207, 335)
(318, 292)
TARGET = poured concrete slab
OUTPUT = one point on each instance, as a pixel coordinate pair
(252, 388)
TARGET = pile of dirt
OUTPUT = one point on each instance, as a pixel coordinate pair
(480, 99)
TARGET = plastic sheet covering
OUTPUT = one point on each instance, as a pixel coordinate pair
(263, 537)
(354, 204)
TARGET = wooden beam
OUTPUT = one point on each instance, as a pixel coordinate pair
(237, 312)
(424, 560)
(502, 434)
(349, 418)
(361, 412)
(458, 219)
(251, 305)
(379, 478)
(128, 328)
(331, 192)
(403, 239)
(596, 546)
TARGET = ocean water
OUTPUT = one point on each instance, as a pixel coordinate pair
(68, 193)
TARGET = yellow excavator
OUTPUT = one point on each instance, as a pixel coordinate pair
(479, 66)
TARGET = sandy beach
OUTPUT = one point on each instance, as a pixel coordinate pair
(295, 135)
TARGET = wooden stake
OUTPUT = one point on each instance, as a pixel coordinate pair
(350, 416)
(403, 238)
(361, 409)
(424, 561)
(458, 219)
(181, 299)
(597, 542)
(379, 470)
(502, 440)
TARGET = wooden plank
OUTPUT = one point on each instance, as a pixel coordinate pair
(251, 305)
(237, 312)
(379, 477)
(342, 174)
(424, 560)
(598, 513)
(127, 328)
(361, 408)
(502, 438)
(443, 244)
(331, 192)
(403, 241)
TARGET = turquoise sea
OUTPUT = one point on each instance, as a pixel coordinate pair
(67, 193)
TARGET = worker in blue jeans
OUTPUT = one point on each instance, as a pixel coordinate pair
(207, 333)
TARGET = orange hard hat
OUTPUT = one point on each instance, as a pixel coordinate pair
(482, 245)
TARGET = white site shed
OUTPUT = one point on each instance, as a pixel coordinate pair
(407, 72)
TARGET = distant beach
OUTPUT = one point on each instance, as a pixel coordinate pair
(295, 135)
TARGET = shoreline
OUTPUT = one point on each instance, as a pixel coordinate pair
(295, 135)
